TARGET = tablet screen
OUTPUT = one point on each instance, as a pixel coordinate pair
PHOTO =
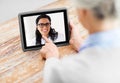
(51, 23)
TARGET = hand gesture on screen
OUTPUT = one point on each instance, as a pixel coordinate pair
(49, 50)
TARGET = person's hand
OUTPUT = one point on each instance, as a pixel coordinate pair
(75, 38)
(49, 50)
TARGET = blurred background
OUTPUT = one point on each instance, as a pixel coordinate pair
(11, 8)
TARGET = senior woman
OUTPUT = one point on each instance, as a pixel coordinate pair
(98, 58)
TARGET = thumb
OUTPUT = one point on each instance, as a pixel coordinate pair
(46, 39)
(71, 25)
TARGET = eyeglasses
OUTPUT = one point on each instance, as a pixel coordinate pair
(41, 25)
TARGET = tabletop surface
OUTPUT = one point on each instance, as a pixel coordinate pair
(17, 66)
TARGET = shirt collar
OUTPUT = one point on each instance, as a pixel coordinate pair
(105, 38)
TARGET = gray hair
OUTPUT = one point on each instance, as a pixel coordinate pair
(101, 8)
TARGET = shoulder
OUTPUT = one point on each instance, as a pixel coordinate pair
(61, 37)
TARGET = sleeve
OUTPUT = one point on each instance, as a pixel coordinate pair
(51, 70)
(66, 70)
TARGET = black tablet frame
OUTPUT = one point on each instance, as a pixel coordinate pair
(22, 27)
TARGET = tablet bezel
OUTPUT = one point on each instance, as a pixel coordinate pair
(22, 28)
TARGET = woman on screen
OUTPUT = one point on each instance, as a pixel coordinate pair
(43, 27)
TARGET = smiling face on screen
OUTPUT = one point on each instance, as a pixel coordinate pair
(44, 26)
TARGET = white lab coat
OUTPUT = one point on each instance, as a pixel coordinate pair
(92, 65)
(60, 38)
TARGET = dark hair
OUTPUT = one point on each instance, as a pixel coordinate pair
(53, 34)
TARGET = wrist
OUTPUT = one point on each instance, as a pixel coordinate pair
(52, 56)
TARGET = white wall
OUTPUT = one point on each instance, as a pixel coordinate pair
(57, 22)
(11, 8)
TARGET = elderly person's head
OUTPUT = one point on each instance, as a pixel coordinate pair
(98, 15)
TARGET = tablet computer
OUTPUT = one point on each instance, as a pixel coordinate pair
(51, 23)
